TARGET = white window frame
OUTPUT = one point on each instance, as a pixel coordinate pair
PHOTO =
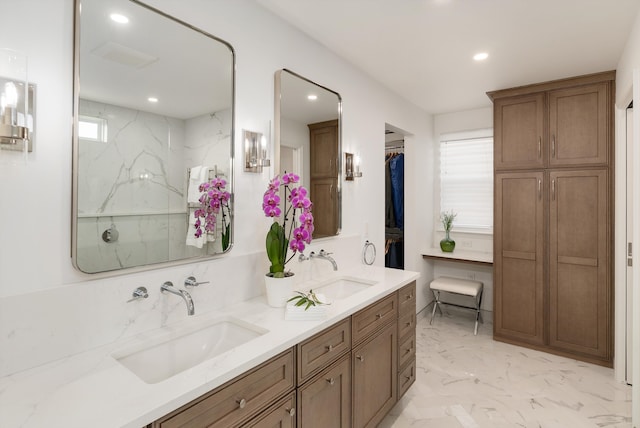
(101, 125)
(465, 135)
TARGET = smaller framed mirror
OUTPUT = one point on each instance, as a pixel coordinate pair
(308, 124)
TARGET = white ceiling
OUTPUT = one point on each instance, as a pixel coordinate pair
(422, 49)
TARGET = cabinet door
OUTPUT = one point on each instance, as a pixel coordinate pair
(519, 132)
(375, 377)
(324, 194)
(579, 125)
(325, 401)
(323, 141)
(580, 296)
(519, 257)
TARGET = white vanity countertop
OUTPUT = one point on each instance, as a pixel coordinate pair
(93, 389)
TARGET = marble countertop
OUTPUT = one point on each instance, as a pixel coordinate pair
(93, 389)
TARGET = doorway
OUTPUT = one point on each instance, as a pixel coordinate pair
(394, 198)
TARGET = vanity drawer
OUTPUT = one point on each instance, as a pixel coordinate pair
(322, 349)
(406, 324)
(407, 349)
(373, 317)
(406, 377)
(235, 401)
(407, 299)
(282, 415)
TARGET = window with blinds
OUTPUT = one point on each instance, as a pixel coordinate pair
(466, 181)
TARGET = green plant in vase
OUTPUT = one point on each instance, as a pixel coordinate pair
(447, 244)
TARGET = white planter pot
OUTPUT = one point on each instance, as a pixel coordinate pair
(279, 290)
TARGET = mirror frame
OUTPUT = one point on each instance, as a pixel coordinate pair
(277, 133)
(75, 149)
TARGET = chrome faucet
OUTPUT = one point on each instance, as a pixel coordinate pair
(324, 256)
(168, 287)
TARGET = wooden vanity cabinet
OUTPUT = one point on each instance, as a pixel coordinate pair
(406, 338)
(348, 375)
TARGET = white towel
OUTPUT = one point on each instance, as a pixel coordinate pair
(191, 231)
(198, 175)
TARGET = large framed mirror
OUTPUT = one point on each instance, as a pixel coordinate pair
(153, 119)
(308, 124)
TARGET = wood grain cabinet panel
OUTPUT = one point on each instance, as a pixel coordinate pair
(325, 401)
(280, 415)
(375, 377)
(519, 132)
(578, 125)
(322, 349)
(519, 256)
(235, 402)
(579, 296)
(369, 319)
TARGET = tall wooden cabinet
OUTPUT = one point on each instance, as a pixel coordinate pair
(323, 143)
(553, 216)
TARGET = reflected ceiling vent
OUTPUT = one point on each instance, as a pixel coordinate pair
(124, 55)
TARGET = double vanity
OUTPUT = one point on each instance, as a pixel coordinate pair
(245, 366)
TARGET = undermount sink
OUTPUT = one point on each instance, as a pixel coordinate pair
(342, 287)
(160, 358)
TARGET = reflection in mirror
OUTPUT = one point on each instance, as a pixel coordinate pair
(153, 110)
(308, 142)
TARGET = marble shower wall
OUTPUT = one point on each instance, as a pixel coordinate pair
(131, 180)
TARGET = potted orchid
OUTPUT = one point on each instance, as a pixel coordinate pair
(214, 201)
(291, 230)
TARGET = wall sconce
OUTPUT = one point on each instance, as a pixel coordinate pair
(255, 151)
(17, 103)
(351, 167)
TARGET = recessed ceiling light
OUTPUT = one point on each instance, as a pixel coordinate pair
(481, 56)
(120, 19)
(152, 99)
(312, 97)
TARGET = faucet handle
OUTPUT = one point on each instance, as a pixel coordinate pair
(191, 282)
(139, 293)
(324, 253)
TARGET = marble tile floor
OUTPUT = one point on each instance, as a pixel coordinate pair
(474, 382)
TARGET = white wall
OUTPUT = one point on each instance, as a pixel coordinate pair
(629, 61)
(49, 310)
(467, 120)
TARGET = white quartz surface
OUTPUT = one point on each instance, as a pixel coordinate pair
(93, 389)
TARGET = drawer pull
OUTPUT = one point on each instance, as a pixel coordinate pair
(409, 296)
(330, 381)
(407, 378)
(378, 316)
(409, 324)
(360, 357)
(291, 412)
(241, 403)
(330, 348)
(408, 351)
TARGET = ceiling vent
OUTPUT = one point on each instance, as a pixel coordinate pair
(124, 55)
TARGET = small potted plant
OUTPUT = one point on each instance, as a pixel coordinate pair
(213, 202)
(286, 236)
(447, 244)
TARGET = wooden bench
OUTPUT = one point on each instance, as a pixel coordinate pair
(461, 287)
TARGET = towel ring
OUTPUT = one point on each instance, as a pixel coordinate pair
(369, 253)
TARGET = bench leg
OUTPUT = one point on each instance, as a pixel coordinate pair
(436, 305)
(478, 314)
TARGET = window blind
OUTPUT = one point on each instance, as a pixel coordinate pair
(466, 181)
